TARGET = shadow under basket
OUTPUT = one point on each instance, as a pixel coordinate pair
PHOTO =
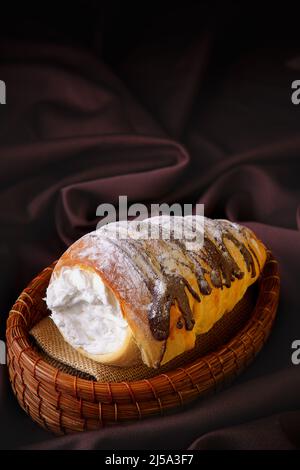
(65, 400)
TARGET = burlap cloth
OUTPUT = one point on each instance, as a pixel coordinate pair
(61, 355)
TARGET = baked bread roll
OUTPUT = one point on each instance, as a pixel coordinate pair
(119, 295)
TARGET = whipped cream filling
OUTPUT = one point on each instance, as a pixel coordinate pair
(86, 311)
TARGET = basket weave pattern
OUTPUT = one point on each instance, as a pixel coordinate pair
(64, 403)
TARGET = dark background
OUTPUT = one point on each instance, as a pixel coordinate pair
(162, 102)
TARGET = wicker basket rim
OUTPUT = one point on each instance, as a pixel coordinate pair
(54, 374)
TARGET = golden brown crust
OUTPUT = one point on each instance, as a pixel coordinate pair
(124, 271)
(212, 307)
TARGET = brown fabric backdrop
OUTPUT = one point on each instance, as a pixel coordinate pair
(188, 105)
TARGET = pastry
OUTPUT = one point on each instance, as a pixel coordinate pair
(119, 296)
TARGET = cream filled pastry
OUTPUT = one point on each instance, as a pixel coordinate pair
(86, 311)
(119, 297)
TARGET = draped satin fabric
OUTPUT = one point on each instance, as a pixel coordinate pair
(174, 106)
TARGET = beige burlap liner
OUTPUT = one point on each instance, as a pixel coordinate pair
(61, 355)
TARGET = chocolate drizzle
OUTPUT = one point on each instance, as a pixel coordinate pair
(213, 262)
(223, 267)
(196, 268)
(244, 252)
(160, 311)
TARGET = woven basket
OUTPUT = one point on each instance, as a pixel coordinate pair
(65, 403)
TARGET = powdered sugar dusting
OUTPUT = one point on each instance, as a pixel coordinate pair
(149, 248)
